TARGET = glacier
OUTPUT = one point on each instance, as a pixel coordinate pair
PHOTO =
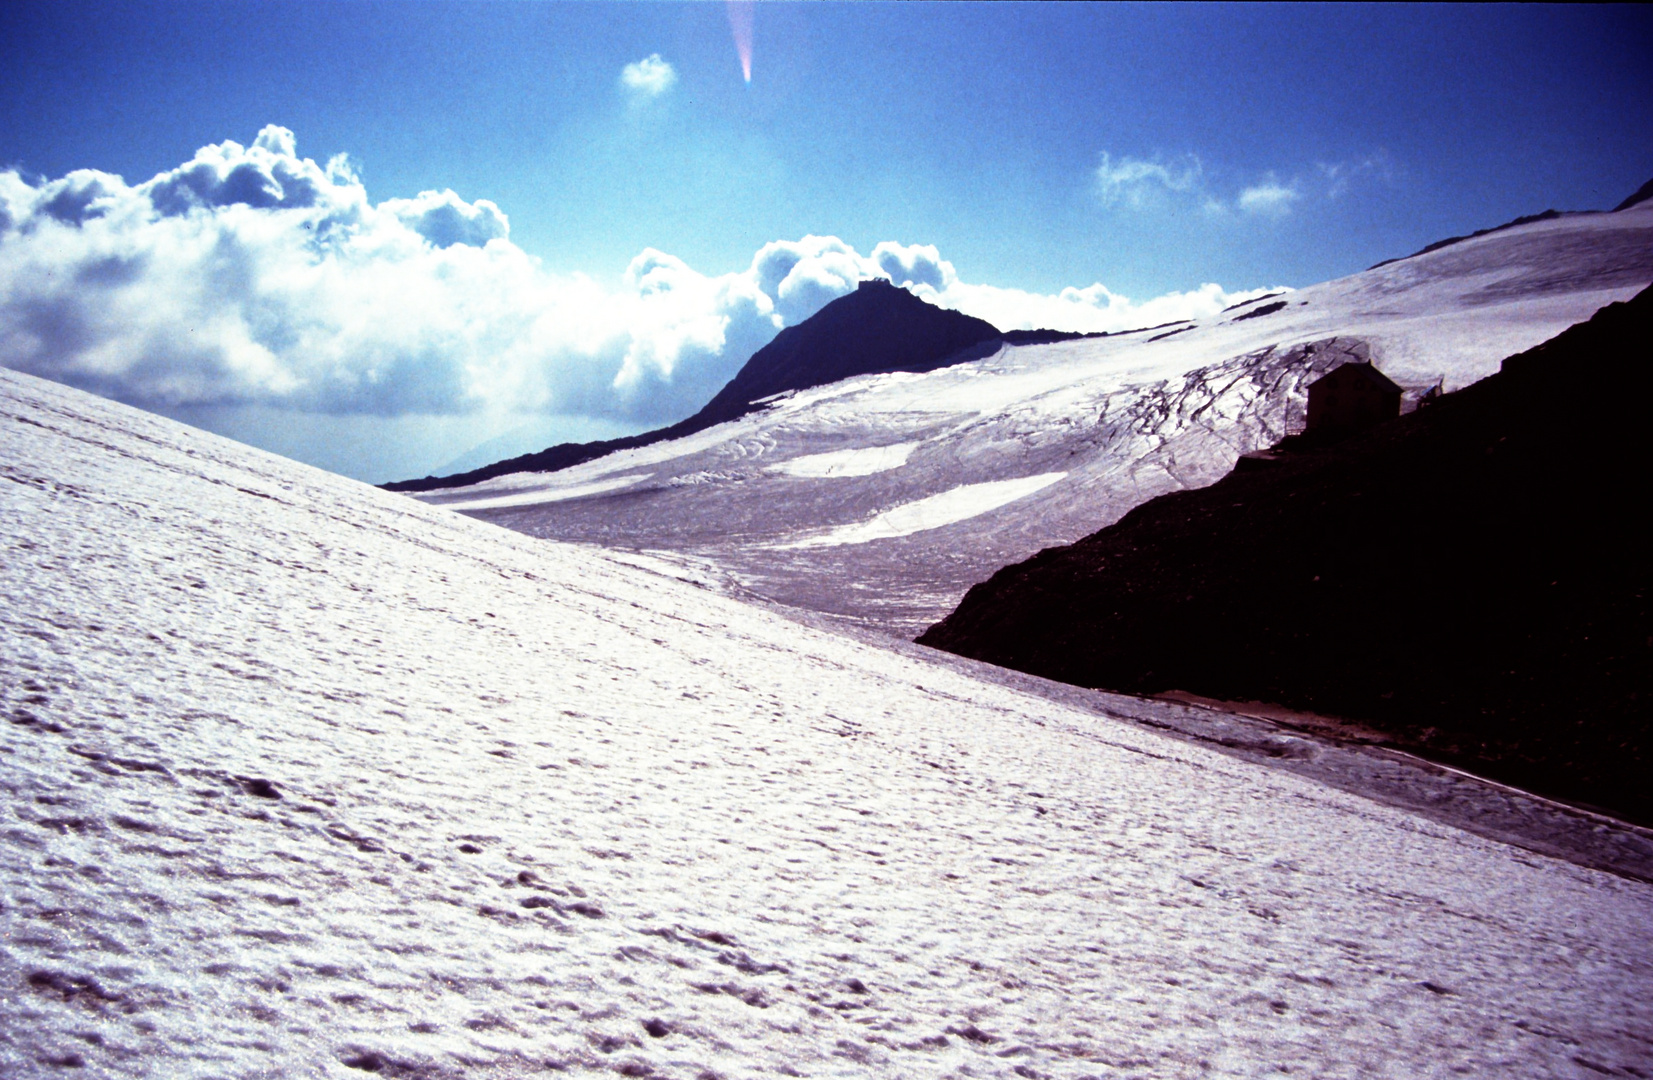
(1126, 417)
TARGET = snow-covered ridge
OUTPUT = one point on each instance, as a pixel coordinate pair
(1126, 418)
(302, 778)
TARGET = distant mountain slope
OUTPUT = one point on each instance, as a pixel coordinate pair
(877, 328)
(1524, 219)
(1472, 579)
(880, 499)
(1641, 194)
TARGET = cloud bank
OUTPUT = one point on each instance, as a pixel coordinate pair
(252, 277)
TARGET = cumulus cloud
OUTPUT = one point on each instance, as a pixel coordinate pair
(250, 277)
(805, 276)
(917, 264)
(649, 77)
(445, 219)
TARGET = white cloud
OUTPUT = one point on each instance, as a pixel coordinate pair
(1136, 182)
(1340, 176)
(917, 264)
(649, 77)
(1087, 310)
(445, 219)
(251, 278)
(1142, 183)
(803, 276)
(1270, 198)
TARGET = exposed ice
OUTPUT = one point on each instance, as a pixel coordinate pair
(299, 778)
(959, 504)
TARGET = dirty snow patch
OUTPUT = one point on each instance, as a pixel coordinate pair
(959, 504)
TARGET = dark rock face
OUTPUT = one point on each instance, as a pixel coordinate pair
(1471, 579)
(1266, 309)
(877, 328)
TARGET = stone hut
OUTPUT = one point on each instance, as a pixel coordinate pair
(1351, 397)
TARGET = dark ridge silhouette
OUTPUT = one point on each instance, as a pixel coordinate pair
(1048, 337)
(1253, 300)
(1266, 309)
(877, 328)
(1470, 580)
(560, 456)
(1641, 195)
(1547, 215)
(1157, 326)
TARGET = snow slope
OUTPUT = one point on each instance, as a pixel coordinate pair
(1126, 418)
(302, 778)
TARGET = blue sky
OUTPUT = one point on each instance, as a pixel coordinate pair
(1034, 148)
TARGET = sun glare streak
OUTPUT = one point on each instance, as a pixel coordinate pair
(740, 21)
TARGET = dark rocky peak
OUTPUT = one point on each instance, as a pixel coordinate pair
(878, 328)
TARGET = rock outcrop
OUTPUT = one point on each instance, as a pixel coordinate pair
(1471, 579)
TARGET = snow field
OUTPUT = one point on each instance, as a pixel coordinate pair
(933, 512)
(300, 778)
(858, 461)
(536, 496)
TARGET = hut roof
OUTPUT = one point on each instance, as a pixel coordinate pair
(1361, 369)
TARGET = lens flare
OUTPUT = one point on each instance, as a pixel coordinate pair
(740, 21)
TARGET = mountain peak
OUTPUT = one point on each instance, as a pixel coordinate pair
(880, 327)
